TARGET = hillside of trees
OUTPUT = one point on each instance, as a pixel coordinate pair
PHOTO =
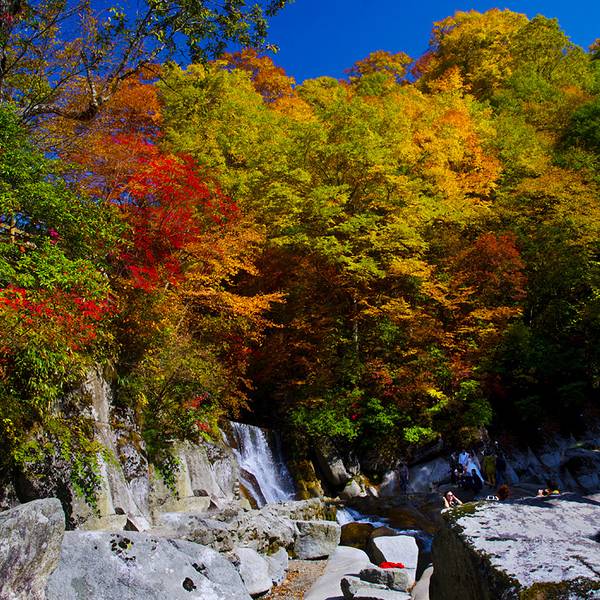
(409, 252)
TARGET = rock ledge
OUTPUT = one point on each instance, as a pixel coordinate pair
(533, 548)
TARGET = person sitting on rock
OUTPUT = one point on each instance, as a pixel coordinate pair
(450, 500)
(456, 475)
(551, 490)
(466, 481)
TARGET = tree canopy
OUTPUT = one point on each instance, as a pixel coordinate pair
(407, 253)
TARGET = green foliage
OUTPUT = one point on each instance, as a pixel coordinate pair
(478, 409)
(417, 435)
(54, 304)
(62, 443)
(584, 127)
(329, 417)
(380, 419)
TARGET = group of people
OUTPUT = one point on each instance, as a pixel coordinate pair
(469, 473)
(550, 490)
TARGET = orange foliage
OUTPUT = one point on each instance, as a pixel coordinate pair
(269, 80)
(455, 158)
(382, 61)
(110, 147)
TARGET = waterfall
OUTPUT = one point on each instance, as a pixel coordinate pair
(263, 471)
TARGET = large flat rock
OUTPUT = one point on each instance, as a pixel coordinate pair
(139, 566)
(396, 549)
(344, 561)
(542, 548)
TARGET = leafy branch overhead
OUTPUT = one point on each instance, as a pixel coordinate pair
(68, 58)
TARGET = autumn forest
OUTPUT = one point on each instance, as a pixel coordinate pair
(409, 252)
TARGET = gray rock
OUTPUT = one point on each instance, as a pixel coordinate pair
(352, 489)
(551, 458)
(432, 473)
(303, 510)
(206, 471)
(316, 539)
(394, 579)
(421, 589)
(344, 561)
(351, 586)
(590, 481)
(8, 495)
(30, 540)
(398, 549)
(539, 547)
(584, 465)
(200, 529)
(265, 529)
(115, 499)
(331, 464)
(366, 594)
(254, 571)
(278, 565)
(139, 566)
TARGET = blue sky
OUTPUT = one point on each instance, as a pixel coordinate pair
(325, 37)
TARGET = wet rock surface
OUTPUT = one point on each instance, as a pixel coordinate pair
(357, 535)
(418, 511)
(546, 547)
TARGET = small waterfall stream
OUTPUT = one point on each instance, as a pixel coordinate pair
(350, 515)
(263, 471)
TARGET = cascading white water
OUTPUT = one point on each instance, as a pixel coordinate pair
(263, 471)
(347, 515)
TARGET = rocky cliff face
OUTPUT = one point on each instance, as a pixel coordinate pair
(132, 495)
(528, 549)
